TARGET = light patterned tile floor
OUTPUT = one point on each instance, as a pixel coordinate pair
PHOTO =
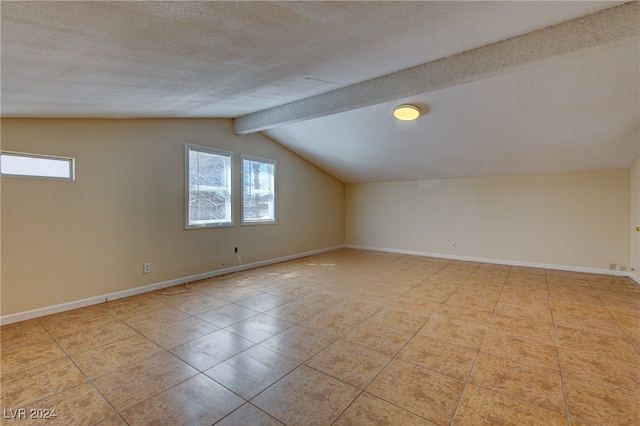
(348, 337)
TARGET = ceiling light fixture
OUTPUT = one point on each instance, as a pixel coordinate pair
(406, 112)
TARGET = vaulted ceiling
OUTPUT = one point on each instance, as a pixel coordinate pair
(505, 87)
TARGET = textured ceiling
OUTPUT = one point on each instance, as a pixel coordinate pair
(575, 111)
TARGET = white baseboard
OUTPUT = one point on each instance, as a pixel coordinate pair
(40, 312)
(501, 262)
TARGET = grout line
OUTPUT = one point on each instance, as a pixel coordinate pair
(555, 338)
(391, 359)
(316, 289)
(240, 407)
(89, 381)
(466, 383)
(564, 391)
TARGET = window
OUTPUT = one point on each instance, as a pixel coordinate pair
(35, 165)
(208, 187)
(258, 190)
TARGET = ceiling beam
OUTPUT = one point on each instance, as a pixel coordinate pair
(597, 29)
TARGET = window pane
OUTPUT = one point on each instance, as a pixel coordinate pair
(36, 166)
(258, 190)
(209, 187)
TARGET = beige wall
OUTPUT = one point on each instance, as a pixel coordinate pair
(568, 219)
(635, 219)
(66, 241)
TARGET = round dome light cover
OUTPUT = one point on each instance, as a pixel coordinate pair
(406, 112)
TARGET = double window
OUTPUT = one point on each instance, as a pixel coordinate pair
(209, 188)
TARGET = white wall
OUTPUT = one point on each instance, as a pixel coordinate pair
(635, 220)
(67, 241)
(566, 219)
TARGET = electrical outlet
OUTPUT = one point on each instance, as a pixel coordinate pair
(325, 238)
(235, 250)
(612, 266)
(453, 244)
(146, 268)
(623, 268)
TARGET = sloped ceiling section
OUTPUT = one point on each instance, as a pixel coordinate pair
(598, 29)
(565, 114)
(510, 87)
(564, 98)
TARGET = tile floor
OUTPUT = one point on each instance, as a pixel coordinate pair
(348, 337)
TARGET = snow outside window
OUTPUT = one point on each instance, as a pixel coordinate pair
(208, 187)
(258, 190)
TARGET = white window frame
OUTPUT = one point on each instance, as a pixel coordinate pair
(228, 189)
(273, 163)
(71, 169)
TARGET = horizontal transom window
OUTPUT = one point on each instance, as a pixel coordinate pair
(36, 165)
